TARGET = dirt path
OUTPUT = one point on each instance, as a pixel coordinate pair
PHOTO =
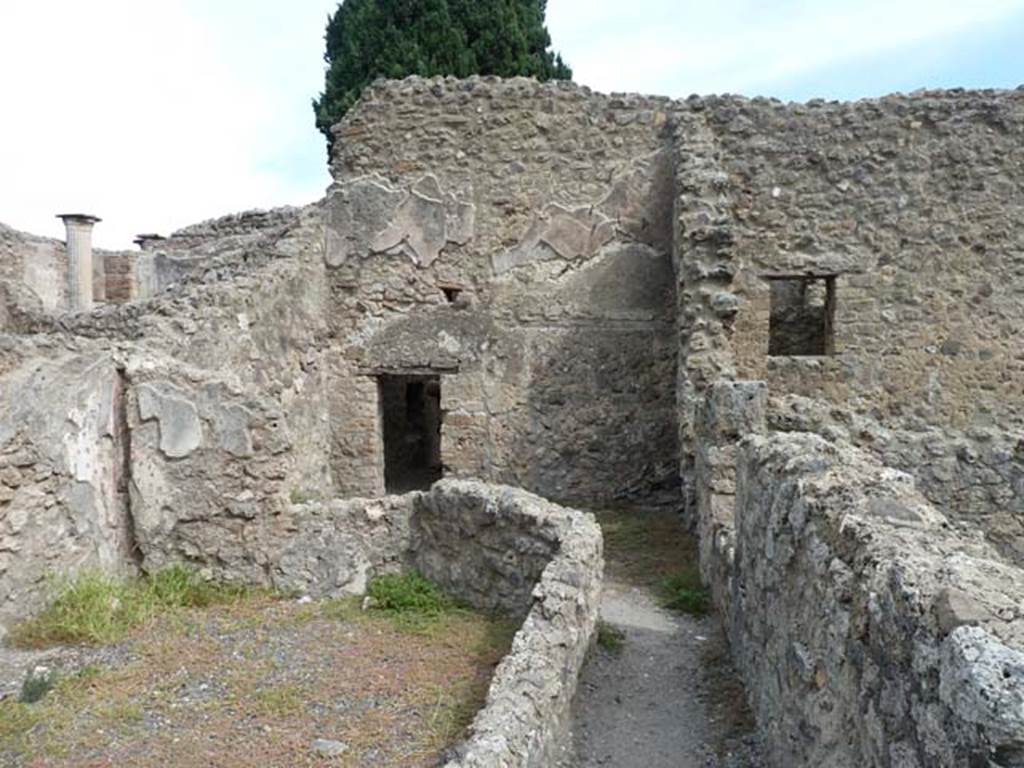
(668, 696)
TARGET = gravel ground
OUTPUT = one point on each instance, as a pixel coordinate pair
(264, 683)
(669, 697)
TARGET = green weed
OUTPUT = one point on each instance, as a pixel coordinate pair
(37, 684)
(408, 593)
(610, 638)
(94, 609)
(684, 592)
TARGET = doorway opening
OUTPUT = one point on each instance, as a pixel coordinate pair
(411, 419)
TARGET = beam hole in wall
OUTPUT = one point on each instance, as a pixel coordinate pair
(411, 420)
(802, 316)
(451, 293)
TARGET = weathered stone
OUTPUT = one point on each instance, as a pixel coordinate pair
(329, 748)
(982, 681)
(180, 429)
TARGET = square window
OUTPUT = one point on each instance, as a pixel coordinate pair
(802, 316)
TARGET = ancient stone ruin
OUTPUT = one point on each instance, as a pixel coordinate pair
(803, 321)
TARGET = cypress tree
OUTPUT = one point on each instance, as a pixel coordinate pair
(367, 39)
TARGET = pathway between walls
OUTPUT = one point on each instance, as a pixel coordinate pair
(669, 697)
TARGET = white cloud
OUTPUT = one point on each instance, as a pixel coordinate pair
(149, 115)
(744, 46)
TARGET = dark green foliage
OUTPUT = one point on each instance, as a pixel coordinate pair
(36, 685)
(409, 593)
(367, 39)
(684, 592)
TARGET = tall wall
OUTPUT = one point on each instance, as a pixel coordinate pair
(33, 276)
(871, 627)
(546, 208)
(63, 490)
(227, 400)
(906, 203)
(910, 201)
(195, 419)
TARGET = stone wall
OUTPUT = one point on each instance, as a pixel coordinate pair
(464, 528)
(904, 203)
(844, 619)
(906, 200)
(120, 282)
(219, 394)
(974, 477)
(227, 409)
(496, 548)
(512, 237)
(503, 548)
(33, 276)
(867, 631)
(63, 492)
(731, 411)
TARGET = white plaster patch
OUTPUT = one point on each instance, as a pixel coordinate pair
(180, 429)
(449, 343)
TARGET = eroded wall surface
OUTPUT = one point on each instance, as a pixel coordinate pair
(543, 211)
(868, 632)
(33, 277)
(975, 476)
(63, 490)
(910, 202)
(226, 406)
(906, 204)
(189, 421)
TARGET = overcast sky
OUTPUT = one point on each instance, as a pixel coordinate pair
(154, 114)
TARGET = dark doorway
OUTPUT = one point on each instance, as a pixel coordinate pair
(411, 419)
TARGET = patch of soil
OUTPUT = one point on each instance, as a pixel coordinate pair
(258, 683)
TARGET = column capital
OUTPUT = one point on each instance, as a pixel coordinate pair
(79, 218)
(148, 240)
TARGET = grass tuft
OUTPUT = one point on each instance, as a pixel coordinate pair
(684, 592)
(610, 637)
(94, 609)
(409, 593)
(37, 684)
(415, 605)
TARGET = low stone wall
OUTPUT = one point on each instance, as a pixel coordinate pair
(975, 477)
(494, 547)
(487, 544)
(729, 411)
(868, 631)
(335, 548)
